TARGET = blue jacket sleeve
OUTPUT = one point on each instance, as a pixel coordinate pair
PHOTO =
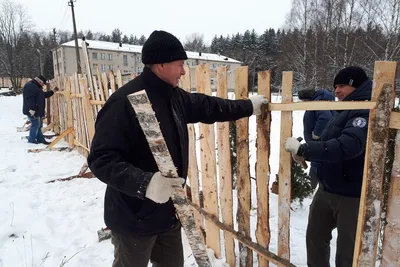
(323, 117)
(350, 144)
(210, 109)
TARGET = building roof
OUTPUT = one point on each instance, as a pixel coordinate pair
(102, 45)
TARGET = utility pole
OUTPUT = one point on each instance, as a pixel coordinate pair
(78, 61)
(55, 41)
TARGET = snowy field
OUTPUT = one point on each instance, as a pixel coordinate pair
(56, 224)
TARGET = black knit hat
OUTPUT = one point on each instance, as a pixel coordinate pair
(162, 47)
(353, 76)
(306, 94)
(42, 78)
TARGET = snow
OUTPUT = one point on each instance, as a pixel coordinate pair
(102, 45)
(48, 224)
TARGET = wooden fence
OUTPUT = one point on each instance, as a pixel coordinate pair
(74, 111)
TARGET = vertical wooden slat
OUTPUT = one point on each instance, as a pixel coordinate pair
(119, 78)
(103, 85)
(208, 166)
(112, 80)
(97, 95)
(225, 170)
(262, 167)
(88, 110)
(193, 171)
(69, 111)
(371, 193)
(391, 240)
(75, 110)
(285, 163)
(104, 80)
(243, 168)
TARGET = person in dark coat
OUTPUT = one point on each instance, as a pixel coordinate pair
(138, 207)
(314, 122)
(34, 107)
(341, 152)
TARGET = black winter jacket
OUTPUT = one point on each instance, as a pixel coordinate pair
(341, 150)
(34, 98)
(120, 155)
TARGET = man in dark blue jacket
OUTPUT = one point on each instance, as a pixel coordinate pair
(341, 152)
(138, 207)
(314, 122)
(34, 105)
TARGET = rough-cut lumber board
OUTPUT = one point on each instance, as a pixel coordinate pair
(193, 171)
(243, 168)
(97, 102)
(119, 78)
(78, 144)
(394, 122)
(87, 175)
(88, 111)
(321, 105)
(225, 170)
(285, 163)
(104, 80)
(245, 240)
(372, 189)
(87, 63)
(112, 80)
(61, 136)
(59, 149)
(48, 127)
(96, 95)
(208, 163)
(69, 111)
(148, 121)
(391, 240)
(263, 232)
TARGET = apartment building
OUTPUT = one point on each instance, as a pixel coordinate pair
(127, 58)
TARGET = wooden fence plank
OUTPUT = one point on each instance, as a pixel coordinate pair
(225, 170)
(262, 167)
(372, 194)
(208, 166)
(285, 163)
(243, 168)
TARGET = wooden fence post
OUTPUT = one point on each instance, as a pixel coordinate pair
(243, 168)
(225, 170)
(285, 163)
(208, 165)
(262, 167)
(372, 194)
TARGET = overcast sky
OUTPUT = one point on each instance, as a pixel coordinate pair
(180, 17)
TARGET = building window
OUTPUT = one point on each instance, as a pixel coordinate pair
(103, 67)
(95, 66)
(109, 56)
(111, 67)
(139, 70)
(94, 55)
(103, 56)
(125, 59)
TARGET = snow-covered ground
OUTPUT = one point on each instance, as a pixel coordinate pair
(55, 224)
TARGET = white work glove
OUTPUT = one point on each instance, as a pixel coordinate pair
(160, 188)
(315, 137)
(32, 112)
(291, 145)
(258, 101)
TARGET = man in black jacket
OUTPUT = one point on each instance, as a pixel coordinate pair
(341, 152)
(138, 208)
(34, 105)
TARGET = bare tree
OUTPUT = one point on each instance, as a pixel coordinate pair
(195, 42)
(14, 25)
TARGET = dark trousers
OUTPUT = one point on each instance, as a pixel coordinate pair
(327, 212)
(35, 132)
(163, 250)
